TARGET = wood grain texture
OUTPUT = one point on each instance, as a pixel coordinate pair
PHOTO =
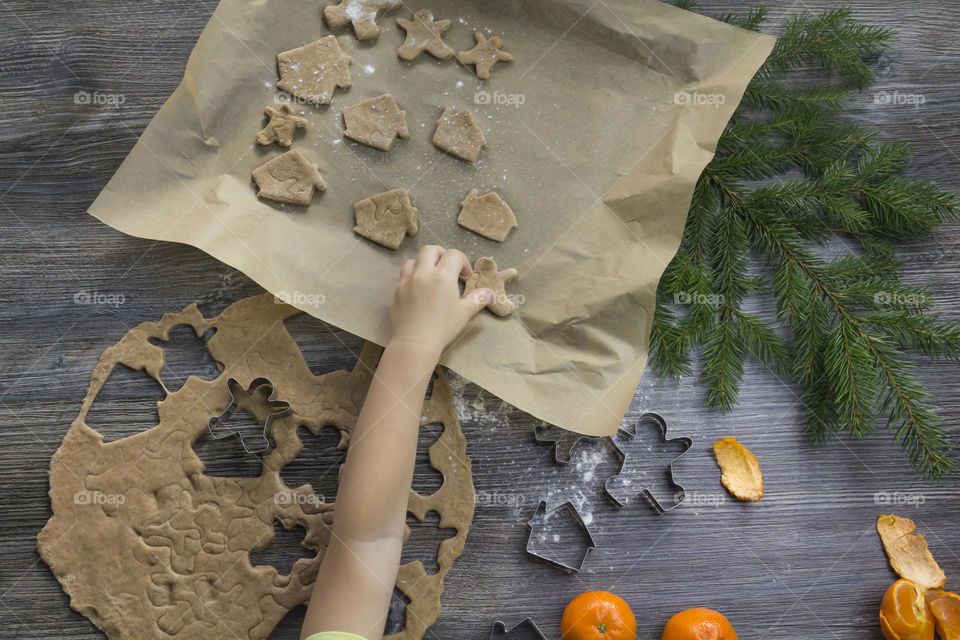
(804, 563)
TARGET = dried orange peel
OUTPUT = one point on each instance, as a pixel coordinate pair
(739, 470)
(905, 614)
(908, 552)
(945, 607)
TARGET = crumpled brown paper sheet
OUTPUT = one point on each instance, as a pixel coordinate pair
(147, 545)
(597, 132)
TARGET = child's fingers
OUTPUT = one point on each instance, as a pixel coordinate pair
(453, 263)
(475, 300)
(407, 268)
(428, 256)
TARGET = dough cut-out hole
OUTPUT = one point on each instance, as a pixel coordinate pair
(325, 347)
(317, 464)
(429, 393)
(291, 624)
(285, 549)
(126, 405)
(425, 540)
(186, 354)
(397, 615)
(426, 479)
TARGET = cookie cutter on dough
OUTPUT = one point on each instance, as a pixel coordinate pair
(619, 500)
(541, 515)
(564, 441)
(217, 425)
(500, 630)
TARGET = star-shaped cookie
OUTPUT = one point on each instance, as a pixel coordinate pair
(486, 276)
(362, 14)
(376, 122)
(486, 54)
(281, 126)
(424, 34)
(314, 71)
(386, 217)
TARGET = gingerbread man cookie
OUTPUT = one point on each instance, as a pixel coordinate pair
(386, 218)
(314, 71)
(424, 34)
(362, 14)
(486, 54)
(289, 178)
(281, 126)
(486, 276)
(376, 122)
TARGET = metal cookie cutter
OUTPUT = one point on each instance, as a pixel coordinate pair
(564, 441)
(239, 398)
(525, 627)
(621, 498)
(540, 516)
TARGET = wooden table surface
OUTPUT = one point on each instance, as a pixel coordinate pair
(804, 563)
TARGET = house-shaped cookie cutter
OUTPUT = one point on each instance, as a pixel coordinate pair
(500, 630)
(541, 515)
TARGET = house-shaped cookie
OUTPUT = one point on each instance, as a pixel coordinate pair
(386, 218)
(376, 122)
(288, 178)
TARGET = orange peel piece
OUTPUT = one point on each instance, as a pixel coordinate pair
(908, 552)
(945, 606)
(739, 470)
(905, 614)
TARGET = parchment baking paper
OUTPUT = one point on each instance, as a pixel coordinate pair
(597, 132)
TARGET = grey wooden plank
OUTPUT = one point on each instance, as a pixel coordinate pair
(805, 563)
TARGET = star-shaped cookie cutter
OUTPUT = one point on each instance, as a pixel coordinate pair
(632, 433)
(217, 425)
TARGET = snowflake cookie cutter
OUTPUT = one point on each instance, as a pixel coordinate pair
(540, 516)
(219, 429)
(525, 628)
(620, 499)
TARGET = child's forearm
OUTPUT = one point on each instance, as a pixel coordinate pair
(375, 486)
(359, 568)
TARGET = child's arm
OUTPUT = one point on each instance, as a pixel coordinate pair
(355, 583)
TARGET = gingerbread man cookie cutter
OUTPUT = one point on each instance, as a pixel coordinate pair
(218, 425)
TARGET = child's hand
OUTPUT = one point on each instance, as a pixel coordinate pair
(427, 308)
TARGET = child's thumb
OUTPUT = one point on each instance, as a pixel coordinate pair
(476, 300)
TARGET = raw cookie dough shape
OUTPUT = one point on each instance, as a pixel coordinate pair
(459, 134)
(486, 54)
(281, 125)
(376, 122)
(424, 34)
(386, 217)
(486, 276)
(487, 215)
(362, 14)
(288, 178)
(314, 71)
(146, 545)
